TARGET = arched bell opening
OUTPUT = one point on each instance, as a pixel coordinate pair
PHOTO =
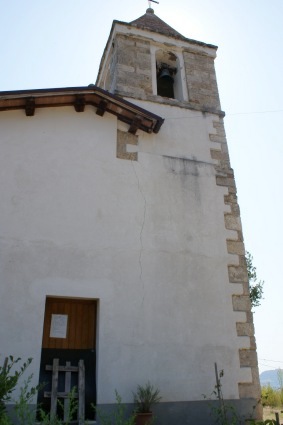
(167, 70)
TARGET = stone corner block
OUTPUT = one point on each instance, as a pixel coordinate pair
(250, 390)
(237, 274)
(241, 302)
(245, 329)
(235, 247)
(248, 357)
(124, 139)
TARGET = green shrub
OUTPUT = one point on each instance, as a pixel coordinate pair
(9, 379)
(24, 412)
(118, 417)
(271, 397)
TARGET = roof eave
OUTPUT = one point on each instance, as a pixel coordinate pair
(29, 100)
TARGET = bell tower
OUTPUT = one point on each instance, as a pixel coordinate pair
(188, 192)
(149, 60)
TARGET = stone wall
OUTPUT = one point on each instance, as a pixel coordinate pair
(130, 71)
(201, 80)
(133, 73)
(133, 68)
(123, 139)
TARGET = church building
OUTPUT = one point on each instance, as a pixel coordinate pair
(120, 233)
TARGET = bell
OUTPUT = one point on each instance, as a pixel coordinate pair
(165, 75)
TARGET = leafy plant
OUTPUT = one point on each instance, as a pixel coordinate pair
(5, 420)
(256, 287)
(9, 379)
(119, 415)
(145, 397)
(223, 413)
(47, 419)
(72, 408)
(266, 422)
(270, 396)
(24, 413)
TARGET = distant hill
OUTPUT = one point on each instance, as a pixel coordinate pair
(270, 377)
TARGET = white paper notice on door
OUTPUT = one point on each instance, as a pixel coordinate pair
(58, 328)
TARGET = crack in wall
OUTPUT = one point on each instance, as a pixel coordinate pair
(136, 328)
(143, 222)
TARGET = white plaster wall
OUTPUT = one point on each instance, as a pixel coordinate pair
(146, 238)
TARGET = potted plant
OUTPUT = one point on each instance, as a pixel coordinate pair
(145, 397)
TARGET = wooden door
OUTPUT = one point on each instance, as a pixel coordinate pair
(69, 334)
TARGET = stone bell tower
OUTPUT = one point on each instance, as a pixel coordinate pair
(186, 169)
(145, 52)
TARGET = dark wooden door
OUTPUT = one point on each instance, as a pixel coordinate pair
(69, 334)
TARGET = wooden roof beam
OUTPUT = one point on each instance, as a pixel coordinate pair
(101, 108)
(79, 103)
(30, 107)
(135, 124)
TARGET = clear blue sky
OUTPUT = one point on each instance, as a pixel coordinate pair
(59, 43)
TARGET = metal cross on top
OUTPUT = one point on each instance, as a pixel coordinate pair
(154, 1)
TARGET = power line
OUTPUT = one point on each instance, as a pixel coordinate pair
(267, 366)
(255, 112)
(229, 114)
(275, 361)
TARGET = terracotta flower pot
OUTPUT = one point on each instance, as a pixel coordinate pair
(144, 418)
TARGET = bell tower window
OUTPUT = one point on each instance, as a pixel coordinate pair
(169, 75)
